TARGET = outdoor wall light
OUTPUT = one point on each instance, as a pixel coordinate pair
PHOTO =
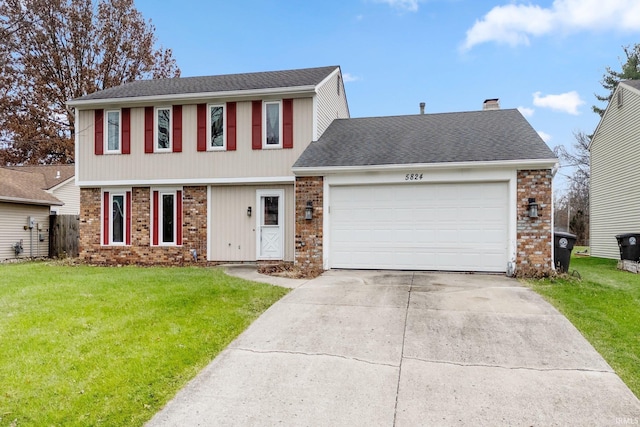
(249, 211)
(308, 211)
(533, 208)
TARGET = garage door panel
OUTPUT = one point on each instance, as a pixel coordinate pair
(458, 227)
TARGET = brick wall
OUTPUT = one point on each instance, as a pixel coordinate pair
(309, 232)
(534, 235)
(194, 230)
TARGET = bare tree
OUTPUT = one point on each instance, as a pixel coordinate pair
(56, 50)
(572, 208)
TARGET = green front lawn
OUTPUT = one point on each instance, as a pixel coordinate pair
(83, 345)
(605, 306)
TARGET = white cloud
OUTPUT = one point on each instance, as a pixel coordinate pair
(525, 111)
(514, 24)
(545, 136)
(408, 5)
(565, 102)
(347, 78)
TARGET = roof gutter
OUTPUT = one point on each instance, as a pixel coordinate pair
(30, 201)
(520, 164)
(194, 97)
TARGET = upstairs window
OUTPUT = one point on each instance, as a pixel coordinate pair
(163, 129)
(216, 126)
(272, 124)
(112, 131)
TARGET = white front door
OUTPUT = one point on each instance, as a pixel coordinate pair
(270, 224)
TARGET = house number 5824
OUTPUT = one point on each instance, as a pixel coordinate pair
(413, 177)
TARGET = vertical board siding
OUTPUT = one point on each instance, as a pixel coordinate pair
(13, 218)
(615, 155)
(233, 233)
(332, 104)
(191, 164)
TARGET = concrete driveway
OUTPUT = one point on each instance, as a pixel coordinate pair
(366, 348)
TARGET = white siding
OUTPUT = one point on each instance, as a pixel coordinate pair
(190, 164)
(233, 234)
(69, 193)
(13, 219)
(615, 160)
(332, 103)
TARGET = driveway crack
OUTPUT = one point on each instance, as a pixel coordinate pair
(404, 335)
(512, 368)
(302, 353)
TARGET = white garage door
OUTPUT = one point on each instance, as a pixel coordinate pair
(454, 227)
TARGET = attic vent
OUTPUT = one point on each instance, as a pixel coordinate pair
(491, 104)
(619, 98)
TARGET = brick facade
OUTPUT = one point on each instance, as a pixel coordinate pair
(309, 234)
(194, 230)
(534, 235)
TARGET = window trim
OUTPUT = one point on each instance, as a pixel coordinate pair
(127, 226)
(224, 127)
(264, 125)
(156, 132)
(106, 131)
(173, 191)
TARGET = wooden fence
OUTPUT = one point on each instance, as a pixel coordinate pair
(64, 236)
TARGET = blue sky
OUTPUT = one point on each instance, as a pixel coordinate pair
(544, 57)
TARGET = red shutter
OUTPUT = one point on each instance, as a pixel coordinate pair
(231, 126)
(256, 125)
(126, 131)
(128, 223)
(148, 130)
(202, 127)
(105, 218)
(98, 130)
(177, 128)
(287, 123)
(155, 209)
(179, 217)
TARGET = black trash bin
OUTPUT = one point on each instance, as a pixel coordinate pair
(629, 245)
(563, 245)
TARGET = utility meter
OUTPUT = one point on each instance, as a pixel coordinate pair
(31, 222)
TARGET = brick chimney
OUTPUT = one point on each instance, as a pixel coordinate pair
(491, 104)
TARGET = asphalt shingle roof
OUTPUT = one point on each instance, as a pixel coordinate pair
(27, 187)
(633, 83)
(428, 138)
(53, 174)
(212, 84)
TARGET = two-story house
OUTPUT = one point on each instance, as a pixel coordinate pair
(269, 166)
(175, 169)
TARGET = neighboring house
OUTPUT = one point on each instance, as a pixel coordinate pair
(615, 156)
(24, 214)
(206, 165)
(59, 180)
(169, 167)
